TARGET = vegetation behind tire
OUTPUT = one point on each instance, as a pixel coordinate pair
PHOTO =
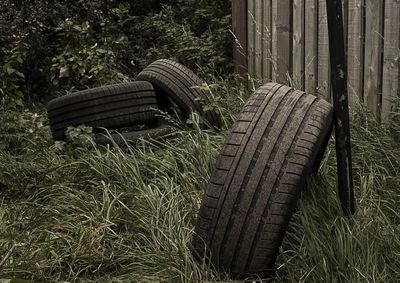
(48, 48)
(258, 177)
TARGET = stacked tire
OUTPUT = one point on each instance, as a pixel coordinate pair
(133, 107)
(176, 84)
(113, 106)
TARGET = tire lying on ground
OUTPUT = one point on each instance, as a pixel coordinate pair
(176, 84)
(112, 106)
(159, 132)
(254, 188)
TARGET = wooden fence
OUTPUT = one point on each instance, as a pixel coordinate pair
(287, 41)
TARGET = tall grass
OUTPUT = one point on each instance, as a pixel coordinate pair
(126, 214)
(323, 246)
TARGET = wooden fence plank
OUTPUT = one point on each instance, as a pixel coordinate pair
(281, 39)
(258, 22)
(251, 37)
(311, 46)
(391, 53)
(298, 44)
(239, 29)
(323, 52)
(355, 54)
(274, 43)
(274, 48)
(372, 61)
(345, 13)
(266, 46)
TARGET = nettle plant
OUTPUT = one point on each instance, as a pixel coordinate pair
(84, 67)
(80, 136)
(12, 79)
(23, 129)
(82, 63)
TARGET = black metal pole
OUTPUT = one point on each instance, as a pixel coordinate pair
(341, 105)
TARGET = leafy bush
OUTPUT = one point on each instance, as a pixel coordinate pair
(166, 37)
(12, 78)
(80, 44)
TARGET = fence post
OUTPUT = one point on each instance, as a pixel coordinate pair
(340, 105)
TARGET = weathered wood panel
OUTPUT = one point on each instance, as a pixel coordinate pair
(311, 46)
(345, 14)
(258, 22)
(289, 37)
(355, 54)
(267, 40)
(281, 13)
(251, 37)
(323, 52)
(239, 29)
(372, 60)
(298, 44)
(391, 57)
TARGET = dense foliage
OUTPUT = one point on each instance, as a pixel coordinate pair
(49, 47)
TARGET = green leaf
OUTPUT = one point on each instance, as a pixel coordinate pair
(101, 51)
(64, 72)
(82, 70)
(19, 93)
(10, 70)
(19, 103)
(19, 74)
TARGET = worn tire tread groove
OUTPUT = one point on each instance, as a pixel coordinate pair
(243, 145)
(171, 72)
(274, 126)
(191, 76)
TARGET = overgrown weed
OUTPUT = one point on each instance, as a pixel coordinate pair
(117, 214)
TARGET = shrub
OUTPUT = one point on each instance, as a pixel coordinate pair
(82, 65)
(81, 44)
(12, 78)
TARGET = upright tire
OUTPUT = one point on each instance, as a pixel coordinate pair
(263, 166)
(174, 83)
(112, 106)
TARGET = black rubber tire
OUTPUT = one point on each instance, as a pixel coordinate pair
(112, 106)
(174, 82)
(160, 132)
(320, 155)
(254, 188)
